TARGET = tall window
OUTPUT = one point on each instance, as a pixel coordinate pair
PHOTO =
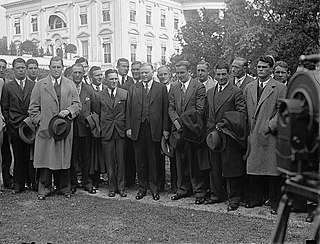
(17, 26)
(83, 15)
(176, 21)
(133, 52)
(163, 18)
(149, 54)
(34, 23)
(106, 11)
(163, 55)
(133, 11)
(56, 22)
(107, 53)
(85, 49)
(148, 15)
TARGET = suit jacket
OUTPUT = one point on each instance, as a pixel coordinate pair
(262, 116)
(15, 102)
(1, 119)
(230, 99)
(195, 99)
(44, 104)
(112, 116)
(245, 82)
(127, 84)
(87, 99)
(158, 110)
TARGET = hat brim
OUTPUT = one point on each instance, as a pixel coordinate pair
(64, 134)
(23, 136)
(176, 139)
(167, 149)
(222, 144)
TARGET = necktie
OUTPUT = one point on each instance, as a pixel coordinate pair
(112, 96)
(123, 80)
(98, 88)
(238, 82)
(56, 83)
(220, 89)
(147, 88)
(21, 84)
(78, 88)
(183, 88)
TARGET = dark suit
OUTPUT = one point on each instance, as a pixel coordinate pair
(245, 82)
(15, 104)
(113, 130)
(130, 162)
(228, 163)
(81, 148)
(147, 117)
(192, 160)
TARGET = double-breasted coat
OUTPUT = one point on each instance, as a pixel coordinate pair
(44, 104)
(262, 117)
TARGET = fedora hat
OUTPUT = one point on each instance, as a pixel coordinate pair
(27, 131)
(59, 128)
(92, 121)
(216, 141)
(176, 139)
(167, 149)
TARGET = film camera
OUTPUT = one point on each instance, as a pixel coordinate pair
(298, 150)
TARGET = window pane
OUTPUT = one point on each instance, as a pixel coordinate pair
(149, 54)
(107, 53)
(105, 15)
(133, 52)
(85, 49)
(83, 19)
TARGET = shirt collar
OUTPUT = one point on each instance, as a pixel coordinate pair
(186, 84)
(24, 80)
(53, 80)
(114, 91)
(224, 86)
(265, 82)
(95, 86)
(149, 84)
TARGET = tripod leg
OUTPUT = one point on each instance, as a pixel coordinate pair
(279, 233)
(316, 225)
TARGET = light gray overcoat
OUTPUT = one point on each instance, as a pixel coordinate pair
(262, 117)
(44, 104)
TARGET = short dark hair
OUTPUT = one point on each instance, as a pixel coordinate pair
(3, 61)
(136, 62)
(56, 59)
(32, 61)
(222, 65)
(147, 64)
(204, 63)
(184, 63)
(67, 72)
(243, 60)
(281, 64)
(81, 60)
(77, 65)
(18, 60)
(267, 59)
(122, 60)
(93, 69)
(110, 71)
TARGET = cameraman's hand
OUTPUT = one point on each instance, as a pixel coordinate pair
(128, 133)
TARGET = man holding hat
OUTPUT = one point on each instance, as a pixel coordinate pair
(226, 137)
(54, 103)
(15, 103)
(187, 103)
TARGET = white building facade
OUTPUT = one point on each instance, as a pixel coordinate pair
(103, 30)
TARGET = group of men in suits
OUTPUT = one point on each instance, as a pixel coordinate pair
(218, 126)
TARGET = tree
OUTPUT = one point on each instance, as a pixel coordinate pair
(29, 47)
(3, 46)
(200, 39)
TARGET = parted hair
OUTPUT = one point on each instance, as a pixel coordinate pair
(18, 60)
(184, 63)
(122, 60)
(55, 59)
(32, 61)
(267, 59)
(81, 60)
(110, 71)
(93, 69)
(222, 65)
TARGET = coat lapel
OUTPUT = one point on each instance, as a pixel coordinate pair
(48, 86)
(254, 93)
(16, 89)
(189, 92)
(268, 90)
(178, 94)
(107, 98)
(226, 93)
(153, 92)
(138, 91)
(27, 88)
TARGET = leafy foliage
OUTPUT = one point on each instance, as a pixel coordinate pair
(3, 46)
(29, 47)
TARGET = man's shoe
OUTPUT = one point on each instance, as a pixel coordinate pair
(92, 191)
(73, 191)
(177, 197)
(67, 195)
(273, 212)
(199, 200)
(232, 207)
(156, 197)
(41, 197)
(122, 194)
(211, 201)
(111, 194)
(140, 195)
